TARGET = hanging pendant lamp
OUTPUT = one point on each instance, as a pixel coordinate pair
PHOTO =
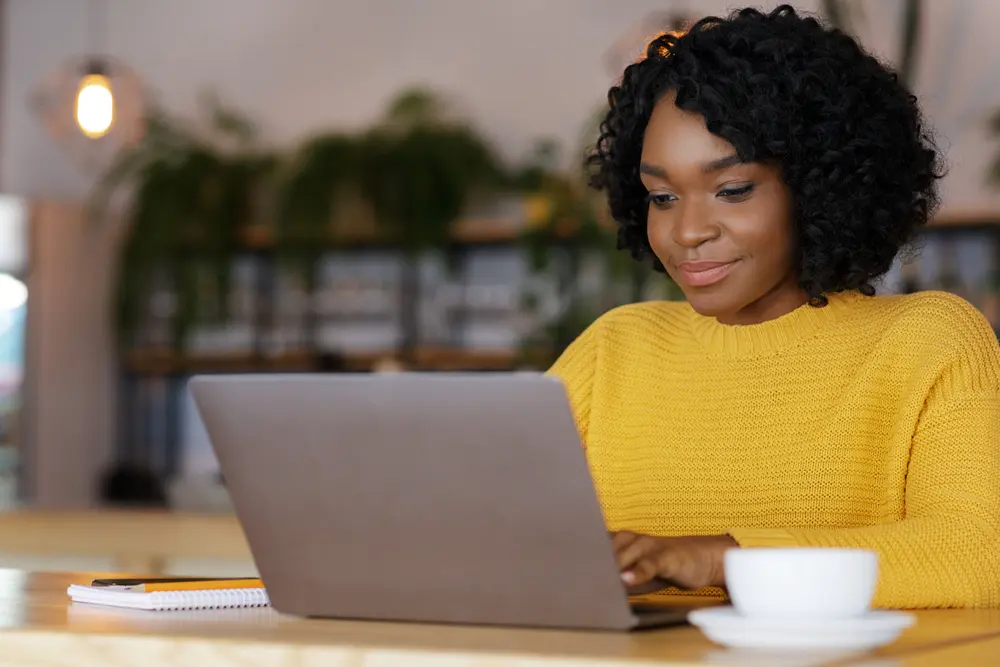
(93, 105)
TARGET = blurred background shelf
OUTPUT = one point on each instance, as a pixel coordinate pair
(167, 362)
(469, 232)
(478, 301)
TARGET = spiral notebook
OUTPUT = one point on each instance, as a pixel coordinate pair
(135, 598)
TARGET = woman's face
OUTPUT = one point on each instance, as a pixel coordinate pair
(722, 228)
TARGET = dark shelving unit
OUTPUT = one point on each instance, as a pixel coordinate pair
(153, 375)
(153, 378)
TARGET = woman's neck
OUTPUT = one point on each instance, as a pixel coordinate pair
(780, 301)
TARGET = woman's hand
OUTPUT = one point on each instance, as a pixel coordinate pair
(686, 562)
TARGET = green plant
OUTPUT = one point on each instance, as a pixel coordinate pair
(422, 168)
(191, 197)
(322, 174)
(189, 201)
(418, 170)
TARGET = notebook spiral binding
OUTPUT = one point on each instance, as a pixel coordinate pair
(209, 599)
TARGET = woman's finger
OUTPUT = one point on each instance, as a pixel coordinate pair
(641, 573)
(622, 539)
(633, 552)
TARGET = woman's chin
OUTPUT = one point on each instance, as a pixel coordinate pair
(710, 305)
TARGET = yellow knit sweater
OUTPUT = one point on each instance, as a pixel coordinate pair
(873, 422)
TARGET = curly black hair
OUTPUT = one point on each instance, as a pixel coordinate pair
(782, 88)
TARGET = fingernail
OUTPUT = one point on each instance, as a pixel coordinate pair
(628, 577)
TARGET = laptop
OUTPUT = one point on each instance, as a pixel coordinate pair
(439, 498)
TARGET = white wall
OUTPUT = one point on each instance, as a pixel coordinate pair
(523, 68)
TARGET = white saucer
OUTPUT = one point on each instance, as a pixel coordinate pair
(723, 625)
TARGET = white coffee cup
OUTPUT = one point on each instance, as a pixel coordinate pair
(801, 582)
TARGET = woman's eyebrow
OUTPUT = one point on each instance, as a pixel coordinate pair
(722, 163)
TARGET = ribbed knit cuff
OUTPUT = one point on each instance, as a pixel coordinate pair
(763, 537)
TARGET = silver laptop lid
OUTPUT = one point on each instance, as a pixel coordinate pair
(462, 498)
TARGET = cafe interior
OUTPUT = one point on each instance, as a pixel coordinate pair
(119, 283)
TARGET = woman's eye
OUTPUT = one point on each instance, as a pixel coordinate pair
(660, 200)
(736, 194)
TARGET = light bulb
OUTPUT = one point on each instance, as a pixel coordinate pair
(95, 106)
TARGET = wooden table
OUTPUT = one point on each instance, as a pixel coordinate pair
(984, 653)
(38, 626)
(135, 541)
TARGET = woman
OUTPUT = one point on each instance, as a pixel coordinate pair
(774, 170)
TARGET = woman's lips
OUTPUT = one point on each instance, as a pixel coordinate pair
(703, 273)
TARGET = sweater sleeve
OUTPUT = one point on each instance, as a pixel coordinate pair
(575, 368)
(945, 552)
